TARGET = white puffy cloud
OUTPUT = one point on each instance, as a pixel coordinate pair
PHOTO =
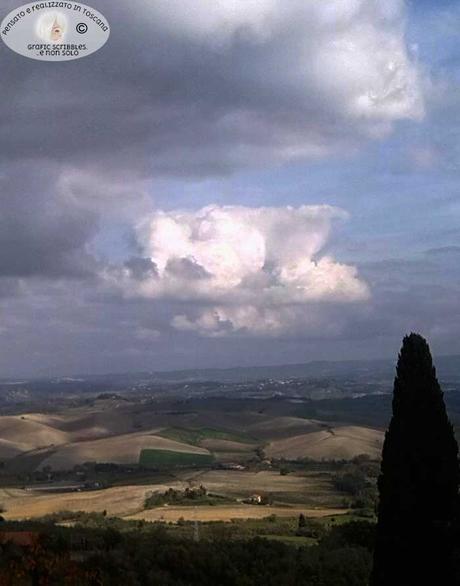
(258, 270)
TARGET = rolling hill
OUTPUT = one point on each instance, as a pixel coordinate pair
(334, 443)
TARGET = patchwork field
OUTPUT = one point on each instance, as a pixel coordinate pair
(127, 502)
(228, 513)
(121, 449)
(312, 487)
(289, 493)
(111, 454)
(118, 431)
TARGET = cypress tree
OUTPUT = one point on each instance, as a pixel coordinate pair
(419, 477)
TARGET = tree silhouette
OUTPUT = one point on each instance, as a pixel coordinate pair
(418, 484)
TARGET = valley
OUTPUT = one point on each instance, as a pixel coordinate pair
(107, 446)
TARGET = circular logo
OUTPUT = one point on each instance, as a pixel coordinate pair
(51, 27)
(82, 28)
(52, 30)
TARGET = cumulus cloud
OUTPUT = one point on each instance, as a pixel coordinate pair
(245, 269)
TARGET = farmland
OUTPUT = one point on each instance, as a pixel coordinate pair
(110, 452)
(290, 494)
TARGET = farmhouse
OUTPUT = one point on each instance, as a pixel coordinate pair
(255, 499)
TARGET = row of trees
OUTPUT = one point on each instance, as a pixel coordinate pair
(101, 557)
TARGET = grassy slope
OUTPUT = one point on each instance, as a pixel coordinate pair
(164, 459)
(195, 436)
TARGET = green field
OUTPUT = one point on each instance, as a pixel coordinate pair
(195, 436)
(166, 458)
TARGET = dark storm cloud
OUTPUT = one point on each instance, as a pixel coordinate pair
(42, 232)
(159, 99)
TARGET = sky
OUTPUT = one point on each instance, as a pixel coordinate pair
(233, 182)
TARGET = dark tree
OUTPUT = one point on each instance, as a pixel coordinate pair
(419, 477)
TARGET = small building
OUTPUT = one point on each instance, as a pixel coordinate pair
(255, 499)
(232, 466)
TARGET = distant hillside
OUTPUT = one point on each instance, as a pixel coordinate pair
(448, 368)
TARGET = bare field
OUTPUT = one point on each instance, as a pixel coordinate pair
(331, 444)
(24, 434)
(281, 427)
(240, 483)
(117, 501)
